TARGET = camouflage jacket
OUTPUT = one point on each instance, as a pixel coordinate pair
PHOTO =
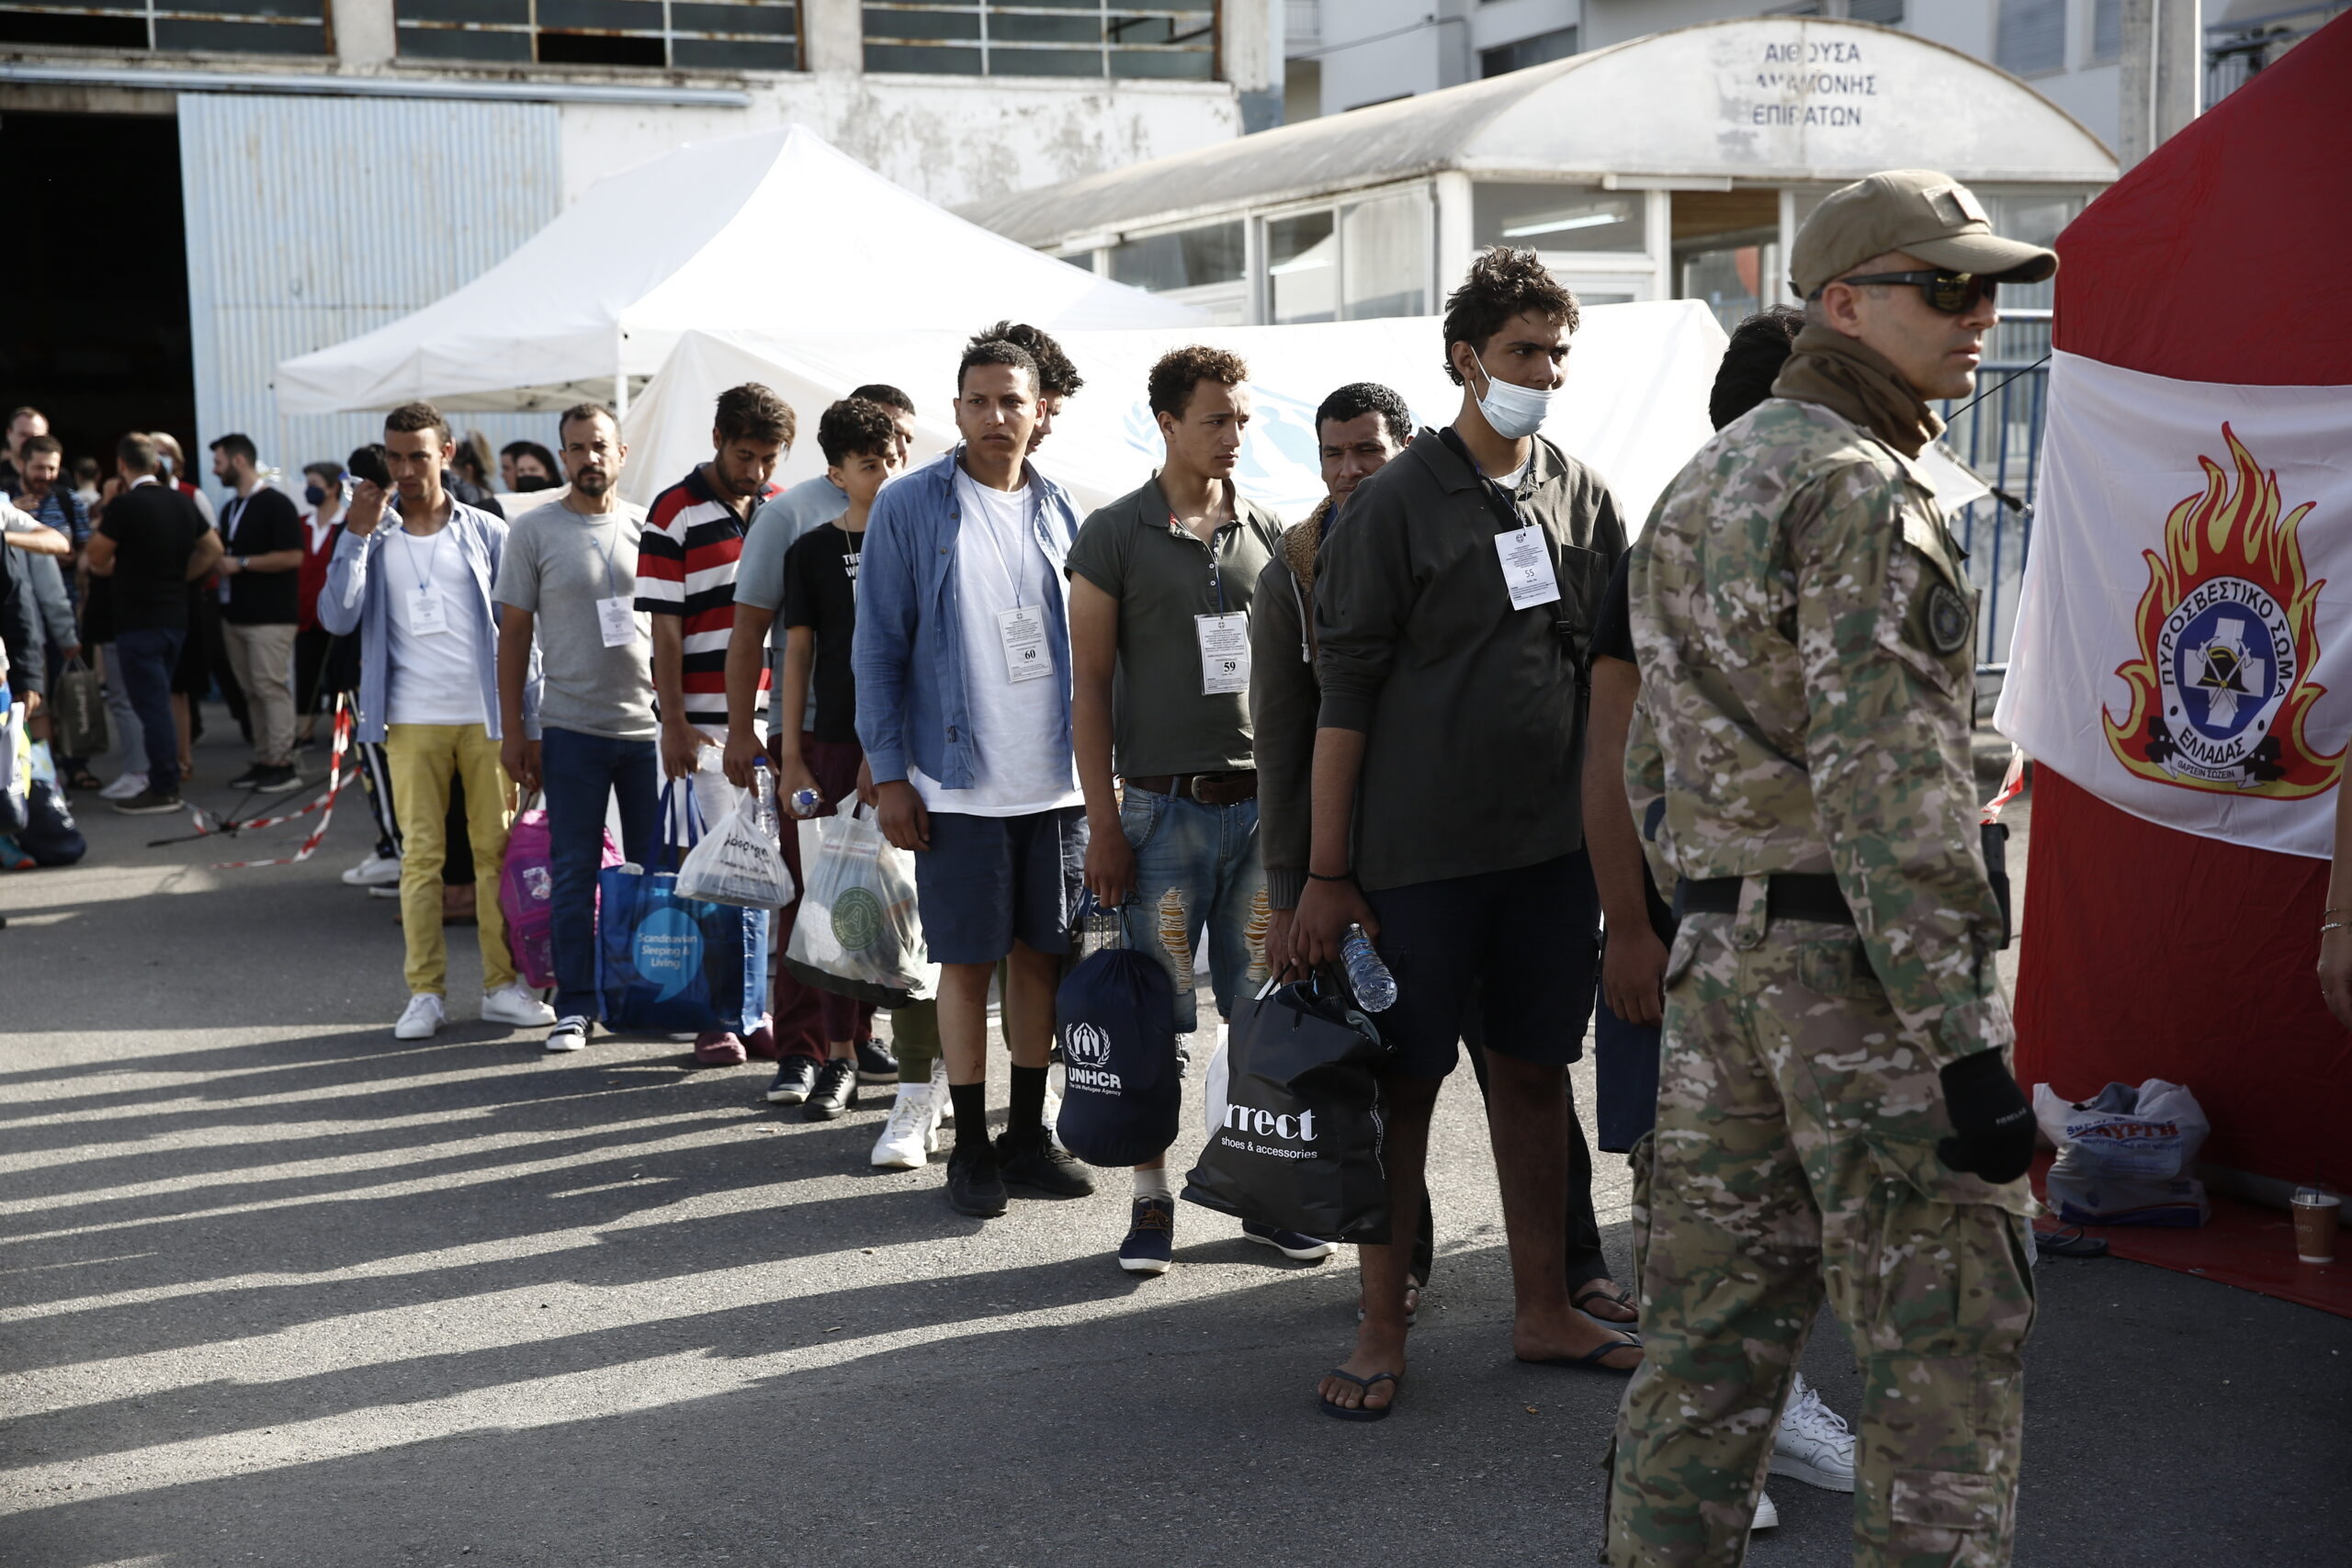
(1806, 636)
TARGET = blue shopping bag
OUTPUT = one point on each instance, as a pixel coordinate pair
(673, 966)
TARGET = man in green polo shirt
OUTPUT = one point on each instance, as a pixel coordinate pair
(1161, 584)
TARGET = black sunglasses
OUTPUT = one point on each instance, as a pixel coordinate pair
(1954, 293)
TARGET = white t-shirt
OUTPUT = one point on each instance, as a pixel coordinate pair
(1023, 762)
(436, 678)
(1517, 476)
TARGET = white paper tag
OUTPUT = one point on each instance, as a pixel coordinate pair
(1224, 653)
(1527, 568)
(1026, 657)
(425, 613)
(617, 618)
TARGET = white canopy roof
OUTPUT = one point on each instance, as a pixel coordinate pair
(773, 232)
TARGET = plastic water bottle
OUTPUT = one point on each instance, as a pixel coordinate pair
(804, 803)
(1374, 986)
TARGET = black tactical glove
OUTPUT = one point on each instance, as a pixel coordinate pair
(1993, 1121)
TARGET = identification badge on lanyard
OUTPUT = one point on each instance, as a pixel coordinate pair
(617, 618)
(1026, 657)
(1225, 653)
(1527, 568)
(426, 614)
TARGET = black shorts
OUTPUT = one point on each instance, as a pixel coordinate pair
(1509, 956)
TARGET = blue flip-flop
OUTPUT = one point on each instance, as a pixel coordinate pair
(1591, 1360)
(1361, 1412)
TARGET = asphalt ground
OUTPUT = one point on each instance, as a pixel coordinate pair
(277, 1289)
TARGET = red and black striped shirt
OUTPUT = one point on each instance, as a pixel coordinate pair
(685, 566)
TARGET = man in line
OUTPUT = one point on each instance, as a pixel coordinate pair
(962, 661)
(323, 494)
(688, 557)
(261, 563)
(418, 592)
(1451, 614)
(798, 1026)
(152, 544)
(1161, 583)
(1836, 1113)
(567, 584)
(41, 493)
(1057, 379)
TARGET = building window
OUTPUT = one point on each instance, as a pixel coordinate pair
(236, 26)
(1303, 269)
(1186, 259)
(1556, 218)
(1557, 44)
(2029, 37)
(1369, 259)
(1886, 13)
(714, 34)
(1042, 38)
(2107, 31)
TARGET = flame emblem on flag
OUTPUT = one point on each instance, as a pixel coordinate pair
(2228, 637)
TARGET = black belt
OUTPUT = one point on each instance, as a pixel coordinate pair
(1209, 789)
(1788, 896)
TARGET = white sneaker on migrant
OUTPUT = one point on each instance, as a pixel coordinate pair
(911, 1135)
(1767, 1516)
(124, 787)
(422, 1019)
(376, 871)
(570, 1033)
(518, 1004)
(946, 1101)
(1812, 1443)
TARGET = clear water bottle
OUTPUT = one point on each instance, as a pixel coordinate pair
(1368, 978)
(804, 803)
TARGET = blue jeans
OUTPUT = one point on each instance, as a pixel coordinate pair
(148, 657)
(1197, 871)
(578, 773)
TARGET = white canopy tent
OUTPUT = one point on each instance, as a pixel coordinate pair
(771, 232)
(1634, 406)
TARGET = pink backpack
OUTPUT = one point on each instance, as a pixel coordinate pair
(527, 896)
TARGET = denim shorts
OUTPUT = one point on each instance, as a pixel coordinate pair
(988, 882)
(1198, 881)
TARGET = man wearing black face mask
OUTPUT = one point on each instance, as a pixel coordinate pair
(1452, 613)
(323, 511)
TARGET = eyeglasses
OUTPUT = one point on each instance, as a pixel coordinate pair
(1954, 293)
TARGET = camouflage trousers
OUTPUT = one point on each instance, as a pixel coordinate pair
(1794, 1156)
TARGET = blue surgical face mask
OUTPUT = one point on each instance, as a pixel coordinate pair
(314, 495)
(1514, 411)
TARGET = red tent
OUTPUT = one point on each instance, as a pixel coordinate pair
(2226, 257)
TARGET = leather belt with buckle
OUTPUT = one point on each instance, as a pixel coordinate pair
(1208, 789)
(1788, 895)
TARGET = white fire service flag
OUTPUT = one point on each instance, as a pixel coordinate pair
(2184, 641)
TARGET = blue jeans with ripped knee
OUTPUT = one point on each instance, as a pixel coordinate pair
(1198, 881)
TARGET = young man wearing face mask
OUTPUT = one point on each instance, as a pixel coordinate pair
(1452, 614)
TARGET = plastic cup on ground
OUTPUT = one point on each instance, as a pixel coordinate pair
(2317, 1213)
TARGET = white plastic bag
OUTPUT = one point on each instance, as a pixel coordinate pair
(15, 767)
(740, 861)
(2124, 1155)
(857, 922)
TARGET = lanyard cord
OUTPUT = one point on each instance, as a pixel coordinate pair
(612, 590)
(1217, 568)
(987, 527)
(432, 556)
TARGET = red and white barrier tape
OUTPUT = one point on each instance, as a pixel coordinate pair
(208, 826)
(2012, 785)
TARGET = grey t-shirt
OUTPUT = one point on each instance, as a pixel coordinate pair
(558, 563)
(759, 570)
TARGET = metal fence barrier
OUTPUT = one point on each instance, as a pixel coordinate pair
(2000, 437)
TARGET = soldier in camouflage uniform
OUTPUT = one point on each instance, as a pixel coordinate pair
(1836, 1113)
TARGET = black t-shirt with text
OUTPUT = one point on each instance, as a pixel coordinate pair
(155, 530)
(259, 525)
(821, 592)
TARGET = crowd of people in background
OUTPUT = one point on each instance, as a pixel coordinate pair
(1236, 731)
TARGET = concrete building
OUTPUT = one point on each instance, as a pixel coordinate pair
(223, 183)
(1344, 54)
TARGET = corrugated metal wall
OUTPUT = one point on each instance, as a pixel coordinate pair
(312, 219)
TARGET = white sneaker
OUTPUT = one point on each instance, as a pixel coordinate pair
(518, 1004)
(570, 1033)
(1814, 1444)
(945, 1102)
(423, 1018)
(1767, 1516)
(1053, 1112)
(376, 871)
(911, 1135)
(126, 786)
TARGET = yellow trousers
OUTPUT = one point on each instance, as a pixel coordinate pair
(422, 758)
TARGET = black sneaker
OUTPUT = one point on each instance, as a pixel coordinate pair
(150, 802)
(279, 780)
(836, 1090)
(794, 1077)
(1033, 1161)
(974, 1184)
(875, 1064)
(249, 779)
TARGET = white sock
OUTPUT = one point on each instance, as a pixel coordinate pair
(1152, 1183)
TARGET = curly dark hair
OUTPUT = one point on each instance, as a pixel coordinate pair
(1182, 369)
(1057, 377)
(857, 426)
(883, 392)
(1503, 283)
(1358, 398)
(1760, 346)
(754, 413)
(998, 351)
(409, 418)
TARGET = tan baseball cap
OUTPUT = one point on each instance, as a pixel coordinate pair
(1931, 216)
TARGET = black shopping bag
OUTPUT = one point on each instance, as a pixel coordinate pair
(1297, 1140)
(1123, 1089)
